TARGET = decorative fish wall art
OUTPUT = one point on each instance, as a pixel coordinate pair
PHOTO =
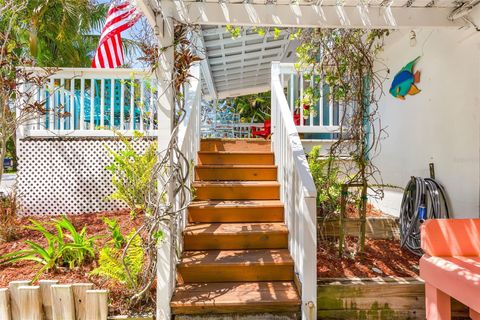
(404, 81)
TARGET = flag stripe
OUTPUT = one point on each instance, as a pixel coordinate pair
(121, 16)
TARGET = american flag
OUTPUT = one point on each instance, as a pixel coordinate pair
(121, 16)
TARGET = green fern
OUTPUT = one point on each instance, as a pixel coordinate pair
(111, 266)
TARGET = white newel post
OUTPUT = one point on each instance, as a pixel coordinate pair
(166, 256)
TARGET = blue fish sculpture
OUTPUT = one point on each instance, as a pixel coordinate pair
(404, 81)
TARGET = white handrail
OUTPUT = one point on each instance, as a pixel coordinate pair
(298, 194)
(86, 102)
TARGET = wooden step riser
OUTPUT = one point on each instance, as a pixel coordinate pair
(261, 311)
(212, 214)
(235, 145)
(237, 192)
(277, 240)
(236, 174)
(248, 158)
(226, 273)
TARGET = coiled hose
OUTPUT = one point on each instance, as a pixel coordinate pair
(423, 199)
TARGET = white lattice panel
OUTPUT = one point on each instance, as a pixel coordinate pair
(59, 176)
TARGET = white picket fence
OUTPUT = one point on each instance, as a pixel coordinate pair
(298, 193)
(85, 102)
(50, 300)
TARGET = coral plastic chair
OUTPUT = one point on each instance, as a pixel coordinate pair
(264, 131)
(451, 266)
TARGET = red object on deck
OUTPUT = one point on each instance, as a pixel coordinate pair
(264, 131)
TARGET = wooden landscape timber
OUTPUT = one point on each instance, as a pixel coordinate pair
(376, 227)
(388, 298)
(52, 301)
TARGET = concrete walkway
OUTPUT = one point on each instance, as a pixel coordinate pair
(8, 181)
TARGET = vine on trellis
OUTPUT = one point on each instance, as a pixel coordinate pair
(345, 62)
(170, 175)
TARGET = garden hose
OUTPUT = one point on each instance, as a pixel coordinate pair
(423, 199)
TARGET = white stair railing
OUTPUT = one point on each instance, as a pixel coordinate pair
(298, 194)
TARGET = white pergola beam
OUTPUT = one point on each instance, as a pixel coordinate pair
(205, 65)
(309, 16)
(243, 91)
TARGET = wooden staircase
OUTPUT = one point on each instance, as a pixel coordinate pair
(236, 258)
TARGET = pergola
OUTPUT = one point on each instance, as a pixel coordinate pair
(236, 66)
(240, 66)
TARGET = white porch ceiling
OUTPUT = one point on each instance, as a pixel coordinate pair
(240, 65)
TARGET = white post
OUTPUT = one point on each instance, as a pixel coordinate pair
(166, 107)
(273, 101)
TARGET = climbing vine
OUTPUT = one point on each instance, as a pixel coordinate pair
(345, 64)
(170, 174)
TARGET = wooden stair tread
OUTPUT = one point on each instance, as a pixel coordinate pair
(235, 228)
(239, 152)
(234, 294)
(236, 183)
(236, 166)
(236, 257)
(235, 204)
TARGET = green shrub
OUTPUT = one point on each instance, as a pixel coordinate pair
(327, 182)
(110, 261)
(132, 173)
(65, 248)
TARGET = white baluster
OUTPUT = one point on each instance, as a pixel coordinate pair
(72, 104)
(122, 104)
(51, 101)
(63, 110)
(142, 102)
(102, 103)
(82, 104)
(132, 104)
(112, 103)
(300, 105)
(92, 104)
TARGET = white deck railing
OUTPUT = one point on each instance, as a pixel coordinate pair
(298, 194)
(92, 102)
(324, 117)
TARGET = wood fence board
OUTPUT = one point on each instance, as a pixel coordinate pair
(63, 305)
(376, 228)
(5, 304)
(79, 296)
(13, 289)
(381, 299)
(46, 296)
(97, 304)
(30, 305)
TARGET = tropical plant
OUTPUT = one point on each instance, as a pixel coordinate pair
(327, 182)
(252, 107)
(118, 262)
(65, 248)
(131, 173)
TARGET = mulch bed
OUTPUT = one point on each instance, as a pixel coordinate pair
(26, 270)
(382, 258)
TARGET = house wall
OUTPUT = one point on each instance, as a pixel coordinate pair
(440, 124)
(67, 175)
